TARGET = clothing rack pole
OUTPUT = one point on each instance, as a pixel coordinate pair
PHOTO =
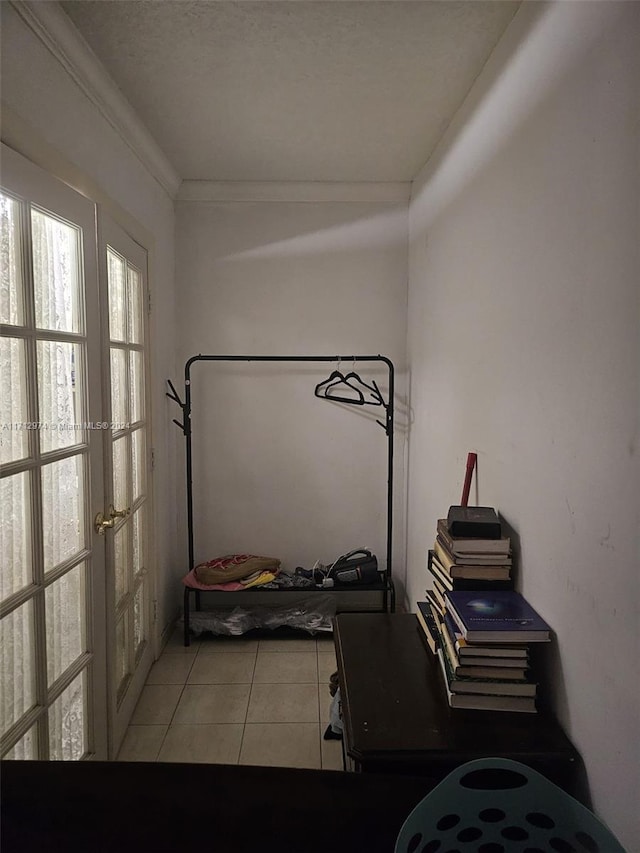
(388, 426)
(389, 431)
(187, 432)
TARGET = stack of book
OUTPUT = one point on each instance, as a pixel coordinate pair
(474, 549)
(476, 557)
(484, 640)
(477, 625)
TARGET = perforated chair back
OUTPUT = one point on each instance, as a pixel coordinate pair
(496, 805)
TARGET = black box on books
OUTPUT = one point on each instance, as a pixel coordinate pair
(481, 522)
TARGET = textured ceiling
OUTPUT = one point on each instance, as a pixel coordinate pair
(294, 91)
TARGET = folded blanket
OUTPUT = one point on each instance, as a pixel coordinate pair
(191, 580)
(234, 567)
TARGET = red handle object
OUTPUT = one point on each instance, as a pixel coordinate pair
(471, 464)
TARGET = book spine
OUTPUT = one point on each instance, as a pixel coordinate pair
(456, 618)
(492, 673)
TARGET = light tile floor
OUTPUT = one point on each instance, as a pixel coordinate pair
(237, 701)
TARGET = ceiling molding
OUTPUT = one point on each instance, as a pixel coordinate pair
(294, 191)
(54, 29)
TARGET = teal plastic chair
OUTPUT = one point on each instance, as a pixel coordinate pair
(495, 805)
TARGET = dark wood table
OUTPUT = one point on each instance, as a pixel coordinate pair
(397, 718)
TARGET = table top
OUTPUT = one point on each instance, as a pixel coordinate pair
(394, 702)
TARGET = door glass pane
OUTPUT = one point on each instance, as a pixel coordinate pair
(15, 534)
(57, 278)
(65, 620)
(63, 510)
(138, 540)
(137, 386)
(16, 655)
(67, 723)
(117, 302)
(138, 463)
(14, 437)
(11, 299)
(120, 559)
(26, 749)
(119, 387)
(121, 471)
(122, 658)
(60, 395)
(138, 617)
(135, 306)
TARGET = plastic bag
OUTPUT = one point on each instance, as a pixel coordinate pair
(313, 614)
(335, 714)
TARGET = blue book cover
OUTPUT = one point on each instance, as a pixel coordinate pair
(500, 616)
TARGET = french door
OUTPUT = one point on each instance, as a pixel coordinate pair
(130, 650)
(52, 628)
(74, 613)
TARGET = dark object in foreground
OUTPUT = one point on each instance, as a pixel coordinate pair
(102, 807)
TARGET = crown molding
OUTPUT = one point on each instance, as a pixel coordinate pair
(56, 32)
(294, 191)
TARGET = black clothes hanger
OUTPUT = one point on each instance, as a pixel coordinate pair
(372, 389)
(325, 389)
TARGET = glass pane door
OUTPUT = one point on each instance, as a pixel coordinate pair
(129, 593)
(52, 645)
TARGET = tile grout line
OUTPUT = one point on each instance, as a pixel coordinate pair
(246, 713)
(178, 702)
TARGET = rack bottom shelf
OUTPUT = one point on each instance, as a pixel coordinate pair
(373, 598)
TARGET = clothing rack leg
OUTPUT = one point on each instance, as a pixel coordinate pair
(187, 636)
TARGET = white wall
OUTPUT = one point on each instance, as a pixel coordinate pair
(524, 346)
(277, 471)
(50, 119)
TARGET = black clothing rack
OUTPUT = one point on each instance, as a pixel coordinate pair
(185, 426)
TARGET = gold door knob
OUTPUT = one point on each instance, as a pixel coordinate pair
(101, 523)
(119, 513)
